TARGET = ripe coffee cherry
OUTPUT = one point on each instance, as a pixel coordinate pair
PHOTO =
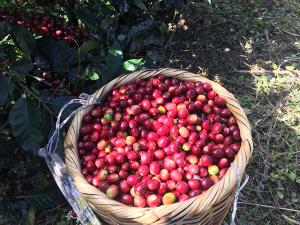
(132, 180)
(193, 169)
(206, 183)
(216, 128)
(140, 189)
(164, 175)
(175, 175)
(211, 94)
(159, 154)
(132, 155)
(145, 104)
(183, 198)
(162, 188)
(123, 174)
(220, 102)
(163, 131)
(180, 162)
(223, 163)
(169, 164)
(182, 187)
(139, 201)
(153, 184)
(153, 200)
(183, 113)
(163, 142)
(126, 199)
(146, 157)
(158, 141)
(154, 168)
(223, 172)
(206, 160)
(134, 165)
(143, 170)
(194, 184)
(174, 131)
(194, 193)
(124, 187)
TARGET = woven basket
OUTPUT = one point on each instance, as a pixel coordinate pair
(209, 208)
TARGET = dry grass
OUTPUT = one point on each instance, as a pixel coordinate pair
(253, 49)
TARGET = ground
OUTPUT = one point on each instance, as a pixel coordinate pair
(253, 49)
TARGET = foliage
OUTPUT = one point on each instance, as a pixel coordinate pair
(50, 52)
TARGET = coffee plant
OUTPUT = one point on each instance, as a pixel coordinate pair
(50, 52)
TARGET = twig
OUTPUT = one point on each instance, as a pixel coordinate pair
(3, 125)
(288, 60)
(266, 71)
(79, 59)
(287, 32)
(269, 206)
(36, 97)
(270, 44)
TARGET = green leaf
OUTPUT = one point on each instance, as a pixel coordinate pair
(86, 16)
(6, 88)
(24, 40)
(122, 6)
(132, 64)
(110, 24)
(143, 41)
(31, 216)
(22, 66)
(59, 55)
(45, 198)
(7, 149)
(274, 66)
(88, 46)
(139, 3)
(94, 76)
(103, 73)
(174, 3)
(290, 221)
(5, 28)
(63, 59)
(7, 162)
(290, 67)
(131, 32)
(114, 59)
(24, 119)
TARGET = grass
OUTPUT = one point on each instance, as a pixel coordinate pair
(253, 49)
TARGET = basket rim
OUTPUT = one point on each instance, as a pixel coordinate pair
(231, 176)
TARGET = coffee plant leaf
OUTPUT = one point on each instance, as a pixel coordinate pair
(24, 119)
(6, 88)
(24, 40)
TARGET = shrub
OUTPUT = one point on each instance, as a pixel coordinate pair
(50, 51)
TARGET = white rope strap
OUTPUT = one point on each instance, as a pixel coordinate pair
(85, 215)
(238, 191)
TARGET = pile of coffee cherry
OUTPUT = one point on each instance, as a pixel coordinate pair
(158, 141)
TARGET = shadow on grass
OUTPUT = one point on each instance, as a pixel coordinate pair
(238, 46)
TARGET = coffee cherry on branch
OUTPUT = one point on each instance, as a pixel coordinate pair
(45, 25)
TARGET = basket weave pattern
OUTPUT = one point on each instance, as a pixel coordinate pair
(209, 208)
